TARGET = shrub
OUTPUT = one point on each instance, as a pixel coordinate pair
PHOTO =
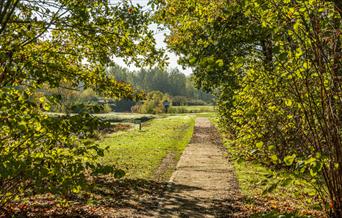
(191, 109)
(107, 108)
(124, 105)
(153, 103)
(179, 101)
(194, 102)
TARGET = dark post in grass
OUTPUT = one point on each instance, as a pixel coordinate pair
(138, 122)
(166, 105)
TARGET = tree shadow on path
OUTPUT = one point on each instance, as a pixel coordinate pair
(128, 198)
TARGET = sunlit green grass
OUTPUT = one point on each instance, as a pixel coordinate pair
(140, 153)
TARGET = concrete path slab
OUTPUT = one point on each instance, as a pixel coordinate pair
(205, 169)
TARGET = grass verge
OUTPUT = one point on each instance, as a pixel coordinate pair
(140, 153)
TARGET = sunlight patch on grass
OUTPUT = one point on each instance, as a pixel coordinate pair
(140, 153)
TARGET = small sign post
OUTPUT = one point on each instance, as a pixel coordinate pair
(139, 123)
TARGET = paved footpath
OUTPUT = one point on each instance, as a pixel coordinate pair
(203, 185)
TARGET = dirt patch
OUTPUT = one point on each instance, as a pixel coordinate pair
(115, 128)
(167, 164)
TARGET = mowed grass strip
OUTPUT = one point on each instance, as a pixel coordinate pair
(140, 153)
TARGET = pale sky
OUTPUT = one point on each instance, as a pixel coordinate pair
(160, 37)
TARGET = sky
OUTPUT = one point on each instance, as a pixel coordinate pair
(160, 37)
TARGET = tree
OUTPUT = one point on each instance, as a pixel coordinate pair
(276, 66)
(177, 83)
(172, 82)
(51, 43)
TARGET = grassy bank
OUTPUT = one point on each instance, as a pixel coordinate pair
(140, 153)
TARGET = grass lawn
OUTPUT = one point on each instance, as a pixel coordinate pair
(140, 153)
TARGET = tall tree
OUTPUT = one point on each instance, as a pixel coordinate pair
(276, 66)
(56, 42)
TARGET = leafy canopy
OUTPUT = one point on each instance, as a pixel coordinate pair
(59, 43)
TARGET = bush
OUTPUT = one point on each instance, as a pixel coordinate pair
(191, 109)
(153, 104)
(54, 159)
(179, 101)
(124, 105)
(107, 108)
(194, 102)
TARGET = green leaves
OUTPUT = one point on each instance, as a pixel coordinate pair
(220, 63)
(274, 158)
(67, 46)
(119, 174)
(259, 145)
(276, 83)
(270, 188)
(288, 102)
(289, 159)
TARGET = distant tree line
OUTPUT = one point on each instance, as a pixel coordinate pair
(172, 82)
(157, 85)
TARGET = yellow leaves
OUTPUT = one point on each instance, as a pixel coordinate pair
(44, 103)
(272, 107)
(259, 145)
(296, 26)
(274, 158)
(220, 63)
(42, 99)
(76, 189)
(288, 160)
(290, 12)
(264, 24)
(288, 102)
(306, 65)
(38, 126)
(271, 147)
(172, 10)
(298, 53)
